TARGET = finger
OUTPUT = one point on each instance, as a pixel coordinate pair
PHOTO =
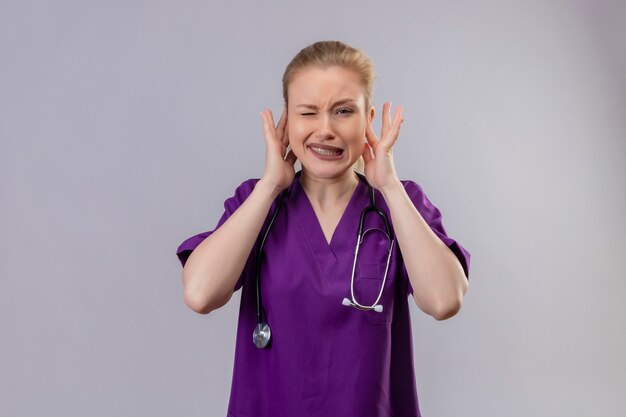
(370, 136)
(281, 125)
(291, 157)
(395, 129)
(285, 138)
(367, 153)
(386, 119)
(262, 114)
(267, 129)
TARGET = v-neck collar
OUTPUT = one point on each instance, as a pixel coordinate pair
(344, 235)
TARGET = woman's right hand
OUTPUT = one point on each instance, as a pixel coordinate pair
(279, 170)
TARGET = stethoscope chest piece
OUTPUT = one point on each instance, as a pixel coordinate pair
(261, 335)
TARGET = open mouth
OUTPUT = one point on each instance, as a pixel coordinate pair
(327, 152)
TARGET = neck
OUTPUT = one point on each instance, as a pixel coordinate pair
(324, 192)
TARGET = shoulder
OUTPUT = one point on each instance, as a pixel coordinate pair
(420, 200)
(241, 193)
(408, 183)
(244, 189)
(412, 188)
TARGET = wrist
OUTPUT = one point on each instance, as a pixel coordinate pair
(392, 188)
(267, 188)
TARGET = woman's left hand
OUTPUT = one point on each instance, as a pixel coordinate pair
(377, 153)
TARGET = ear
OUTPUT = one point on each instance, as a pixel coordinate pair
(370, 116)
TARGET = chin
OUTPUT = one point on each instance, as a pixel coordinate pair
(326, 172)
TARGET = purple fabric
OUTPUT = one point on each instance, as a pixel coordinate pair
(326, 359)
(230, 206)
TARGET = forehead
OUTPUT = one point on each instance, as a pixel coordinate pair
(314, 84)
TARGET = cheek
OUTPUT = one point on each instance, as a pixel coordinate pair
(297, 137)
(297, 131)
(356, 134)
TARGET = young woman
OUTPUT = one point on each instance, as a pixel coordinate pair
(324, 326)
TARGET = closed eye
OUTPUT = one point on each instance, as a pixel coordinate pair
(340, 111)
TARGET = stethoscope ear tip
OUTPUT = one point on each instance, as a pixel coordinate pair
(346, 302)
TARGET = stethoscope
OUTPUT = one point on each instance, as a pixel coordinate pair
(262, 333)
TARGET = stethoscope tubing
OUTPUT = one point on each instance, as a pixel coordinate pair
(258, 260)
(261, 335)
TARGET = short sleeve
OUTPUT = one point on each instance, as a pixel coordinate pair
(230, 206)
(433, 217)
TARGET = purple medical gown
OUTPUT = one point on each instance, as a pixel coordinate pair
(325, 359)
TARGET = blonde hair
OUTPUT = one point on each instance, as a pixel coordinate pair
(330, 53)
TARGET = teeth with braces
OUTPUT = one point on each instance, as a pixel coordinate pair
(325, 151)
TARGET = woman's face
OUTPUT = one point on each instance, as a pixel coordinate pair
(318, 117)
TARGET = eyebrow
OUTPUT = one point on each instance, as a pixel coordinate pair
(314, 107)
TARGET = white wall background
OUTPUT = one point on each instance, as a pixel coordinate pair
(124, 125)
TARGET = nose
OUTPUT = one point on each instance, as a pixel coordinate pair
(324, 127)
